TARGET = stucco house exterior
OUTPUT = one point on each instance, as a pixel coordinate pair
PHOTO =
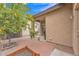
(60, 25)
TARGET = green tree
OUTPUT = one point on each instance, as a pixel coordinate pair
(13, 18)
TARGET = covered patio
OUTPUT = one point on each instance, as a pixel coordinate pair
(58, 34)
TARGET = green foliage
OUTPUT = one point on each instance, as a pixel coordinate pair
(13, 18)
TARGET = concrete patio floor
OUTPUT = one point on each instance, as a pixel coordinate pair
(42, 47)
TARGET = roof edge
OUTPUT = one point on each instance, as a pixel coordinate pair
(49, 9)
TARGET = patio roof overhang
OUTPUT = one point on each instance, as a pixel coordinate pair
(41, 16)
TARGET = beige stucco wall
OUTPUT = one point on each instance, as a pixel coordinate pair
(59, 26)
